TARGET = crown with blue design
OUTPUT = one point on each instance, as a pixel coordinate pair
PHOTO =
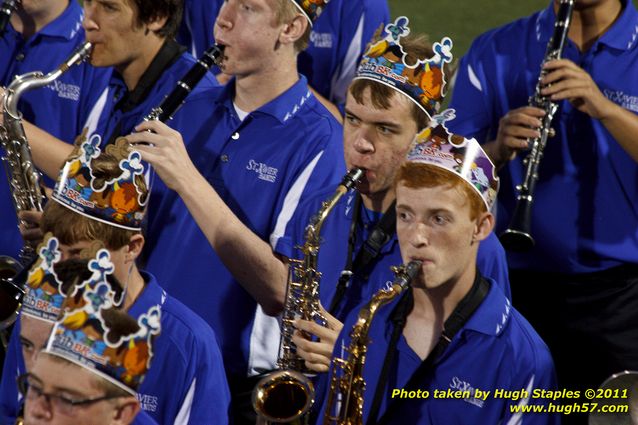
(435, 145)
(311, 8)
(423, 81)
(110, 186)
(43, 296)
(93, 333)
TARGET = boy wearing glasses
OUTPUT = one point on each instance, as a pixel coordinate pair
(96, 356)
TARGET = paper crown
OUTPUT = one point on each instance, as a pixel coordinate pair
(435, 145)
(43, 296)
(94, 334)
(111, 186)
(423, 82)
(311, 8)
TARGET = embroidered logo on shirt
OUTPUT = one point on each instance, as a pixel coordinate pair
(322, 40)
(148, 403)
(622, 99)
(65, 91)
(459, 384)
(263, 171)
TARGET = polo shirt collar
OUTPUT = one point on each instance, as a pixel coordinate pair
(67, 24)
(622, 35)
(492, 316)
(151, 295)
(282, 108)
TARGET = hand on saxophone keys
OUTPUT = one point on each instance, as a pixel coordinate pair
(30, 227)
(317, 354)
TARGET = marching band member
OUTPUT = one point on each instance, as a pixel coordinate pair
(102, 197)
(267, 145)
(392, 125)
(577, 285)
(454, 329)
(337, 40)
(96, 356)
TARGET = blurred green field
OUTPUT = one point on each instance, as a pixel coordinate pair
(462, 20)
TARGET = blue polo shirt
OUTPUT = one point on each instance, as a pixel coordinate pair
(585, 211)
(186, 383)
(333, 252)
(60, 108)
(337, 41)
(496, 349)
(262, 167)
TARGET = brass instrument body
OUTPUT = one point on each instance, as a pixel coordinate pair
(517, 237)
(345, 400)
(302, 302)
(22, 175)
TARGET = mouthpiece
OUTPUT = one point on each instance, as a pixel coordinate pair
(350, 179)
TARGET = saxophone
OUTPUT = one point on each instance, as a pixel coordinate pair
(345, 398)
(23, 178)
(287, 394)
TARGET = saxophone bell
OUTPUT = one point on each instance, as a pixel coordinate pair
(283, 396)
(10, 293)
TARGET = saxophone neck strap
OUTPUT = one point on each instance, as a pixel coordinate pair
(381, 234)
(398, 317)
(454, 323)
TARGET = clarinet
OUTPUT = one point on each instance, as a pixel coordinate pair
(171, 103)
(517, 237)
(6, 9)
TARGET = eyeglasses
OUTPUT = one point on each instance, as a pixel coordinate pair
(31, 390)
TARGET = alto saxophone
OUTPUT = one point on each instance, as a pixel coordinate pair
(344, 405)
(287, 394)
(23, 177)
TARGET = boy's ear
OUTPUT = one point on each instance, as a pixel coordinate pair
(156, 24)
(135, 246)
(293, 30)
(484, 226)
